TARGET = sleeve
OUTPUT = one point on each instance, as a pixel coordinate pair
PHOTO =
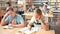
(45, 19)
(32, 20)
(20, 19)
(8, 19)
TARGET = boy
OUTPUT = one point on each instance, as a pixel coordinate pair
(37, 21)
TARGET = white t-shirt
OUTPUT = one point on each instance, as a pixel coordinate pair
(35, 23)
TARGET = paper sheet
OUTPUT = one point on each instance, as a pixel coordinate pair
(26, 31)
(6, 27)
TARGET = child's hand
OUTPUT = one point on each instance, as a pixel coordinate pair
(8, 13)
(29, 27)
(45, 27)
(13, 22)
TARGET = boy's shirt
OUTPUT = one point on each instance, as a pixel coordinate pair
(34, 22)
(18, 19)
(38, 23)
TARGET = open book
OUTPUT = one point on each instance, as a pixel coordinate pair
(7, 26)
(27, 31)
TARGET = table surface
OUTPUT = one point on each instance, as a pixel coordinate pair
(31, 14)
(28, 14)
(15, 31)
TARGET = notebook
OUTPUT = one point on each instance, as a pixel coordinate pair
(27, 31)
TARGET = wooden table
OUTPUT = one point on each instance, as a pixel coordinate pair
(15, 31)
(27, 16)
(31, 14)
(48, 15)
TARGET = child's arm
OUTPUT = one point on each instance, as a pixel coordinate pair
(5, 16)
(45, 26)
(30, 26)
(13, 22)
(19, 25)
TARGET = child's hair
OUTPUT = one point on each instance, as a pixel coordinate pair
(10, 8)
(39, 12)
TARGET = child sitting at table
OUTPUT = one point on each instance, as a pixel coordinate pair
(12, 18)
(37, 22)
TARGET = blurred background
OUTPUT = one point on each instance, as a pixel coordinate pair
(53, 4)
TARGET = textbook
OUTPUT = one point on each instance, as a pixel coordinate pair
(27, 31)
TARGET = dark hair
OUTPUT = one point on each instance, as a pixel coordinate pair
(46, 3)
(38, 11)
(10, 8)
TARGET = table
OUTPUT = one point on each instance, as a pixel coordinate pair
(28, 14)
(31, 14)
(50, 20)
(15, 31)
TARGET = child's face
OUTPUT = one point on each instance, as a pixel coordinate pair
(33, 7)
(12, 13)
(37, 16)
